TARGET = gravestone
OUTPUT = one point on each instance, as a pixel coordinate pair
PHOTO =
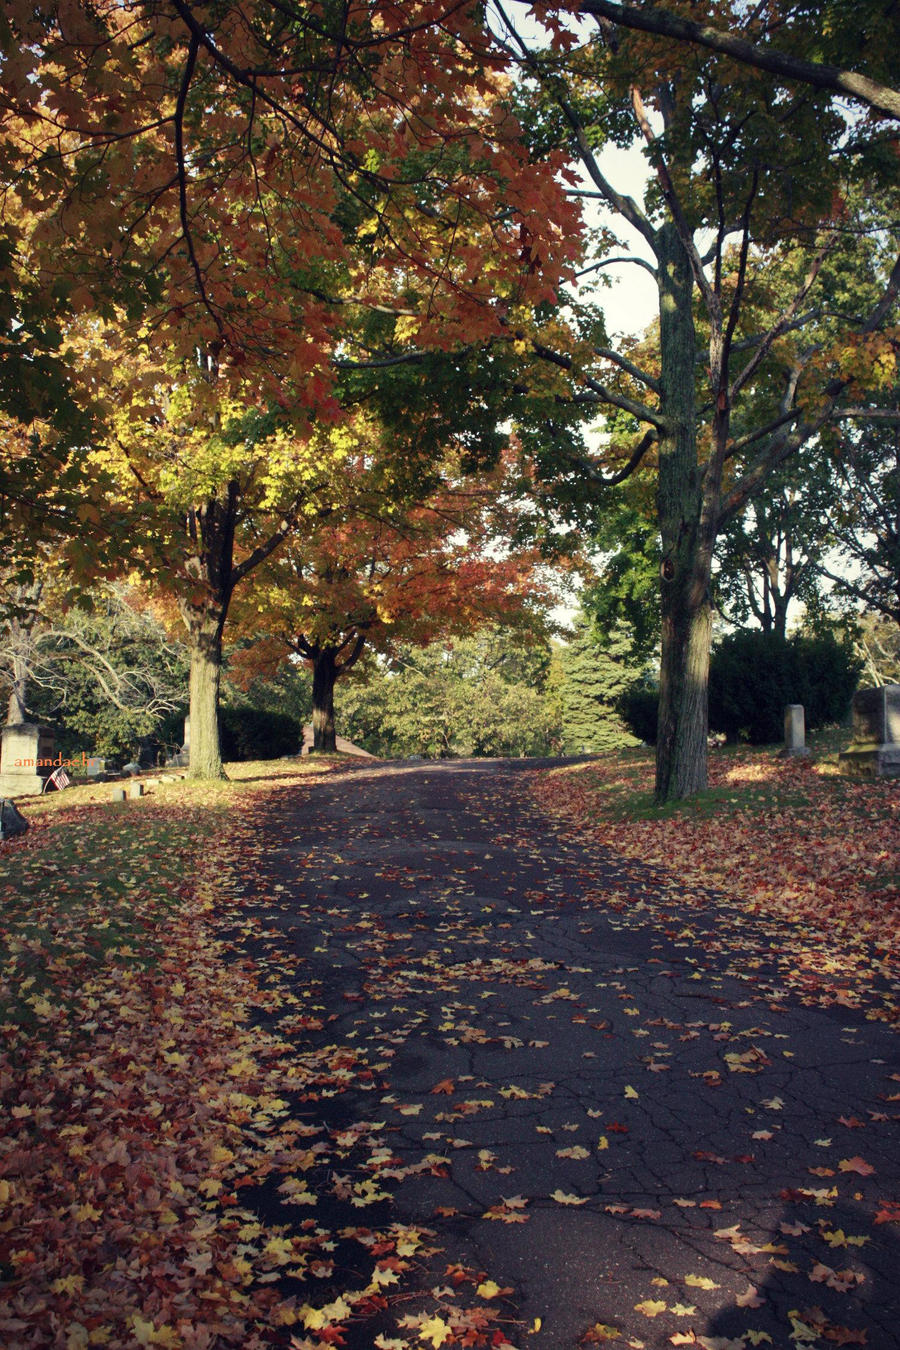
(27, 751)
(874, 751)
(12, 822)
(95, 766)
(794, 732)
(183, 758)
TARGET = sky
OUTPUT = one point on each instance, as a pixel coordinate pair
(631, 302)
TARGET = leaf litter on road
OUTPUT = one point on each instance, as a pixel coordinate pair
(252, 1066)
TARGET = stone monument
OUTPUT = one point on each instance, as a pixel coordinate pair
(26, 759)
(794, 731)
(875, 748)
(183, 757)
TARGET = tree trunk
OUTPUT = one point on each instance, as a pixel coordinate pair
(206, 669)
(687, 531)
(324, 677)
(17, 709)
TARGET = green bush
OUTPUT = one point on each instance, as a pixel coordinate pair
(638, 708)
(251, 733)
(754, 675)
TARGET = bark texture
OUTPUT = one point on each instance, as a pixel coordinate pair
(206, 671)
(325, 673)
(686, 549)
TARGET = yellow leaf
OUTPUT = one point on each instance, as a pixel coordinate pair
(562, 1198)
(700, 1282)
(434, 1330)
(631, 1094)
(488, 1289)
(650, 1307)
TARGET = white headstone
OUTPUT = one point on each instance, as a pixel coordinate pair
(27, 752)
(794, 731)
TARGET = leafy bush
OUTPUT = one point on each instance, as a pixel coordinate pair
(754, 675)
(251, 733)
(638, 708)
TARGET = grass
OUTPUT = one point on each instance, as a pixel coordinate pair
(742, 780)
(94, 882)
(790, 840)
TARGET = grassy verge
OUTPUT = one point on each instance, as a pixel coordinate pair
(130, 1069)
(786, 840)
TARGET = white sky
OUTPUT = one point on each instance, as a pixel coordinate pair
(631, 302)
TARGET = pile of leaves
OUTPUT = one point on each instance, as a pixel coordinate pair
(810, 853)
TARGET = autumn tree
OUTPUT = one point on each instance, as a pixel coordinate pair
(747, 176)
(256, 198)
(393, 571)
(245, 180)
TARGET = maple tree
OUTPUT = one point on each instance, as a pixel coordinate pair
(246, 179)
(393, 571)
(212, 486)
(747, 185)
(242, 203)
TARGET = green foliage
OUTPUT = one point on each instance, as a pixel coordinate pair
(754, 675)
(638, 706)
(479, 696)
(105, 678)
(591, 675)
(288, 690)
(627, 589)
(252, 733)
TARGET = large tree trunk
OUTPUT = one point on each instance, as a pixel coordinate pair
(324, 677)
(687, 537)
(17, 709)
(206, 669)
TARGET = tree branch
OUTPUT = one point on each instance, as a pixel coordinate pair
(880, 97)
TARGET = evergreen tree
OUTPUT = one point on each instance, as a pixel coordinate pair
(591, 674)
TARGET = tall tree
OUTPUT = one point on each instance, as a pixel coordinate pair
(213, 486)
(272, 197)
(743, 175)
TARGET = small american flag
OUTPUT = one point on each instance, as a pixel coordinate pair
(58, 779)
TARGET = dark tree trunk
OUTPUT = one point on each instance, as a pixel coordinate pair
(325, 673)
(687, 533)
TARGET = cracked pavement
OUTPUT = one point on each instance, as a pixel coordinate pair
(606, 1107)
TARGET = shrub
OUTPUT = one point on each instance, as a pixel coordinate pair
(754, 675)
(638, 708)
(251, 733)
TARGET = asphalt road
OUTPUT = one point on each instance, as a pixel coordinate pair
(646, 1139)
